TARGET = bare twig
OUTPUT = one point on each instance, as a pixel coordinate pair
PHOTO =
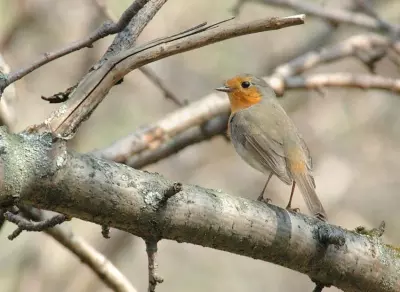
(334, 15)
(123, 40)
(343, 79)
(92, 90)
(26, 225)
(99, 264)
(154, 278)
(353, 46)
(160, 84)
(103, 31)
(146, 71)
(126, 39)
(367, 8)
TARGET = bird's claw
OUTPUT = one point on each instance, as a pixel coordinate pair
(295, 210)
(264, 200)
(267, 200)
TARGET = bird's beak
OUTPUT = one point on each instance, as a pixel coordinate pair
(224, 89)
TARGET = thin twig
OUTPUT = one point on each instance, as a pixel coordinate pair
(154, 278)
(160, 84)
(343, 79)
(103, 31)
(126, 39)
(352, 46)
(97, 262)
(26, 225)
(145, 70)
(367, 8)
(331, 14)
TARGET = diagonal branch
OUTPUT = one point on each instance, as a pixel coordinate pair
(92, 90)
(133, 30)
(104, 269)
(143, 204)
(127, 37)
(161, 132)
(106, 29)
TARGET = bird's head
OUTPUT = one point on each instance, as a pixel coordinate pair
(245, 90)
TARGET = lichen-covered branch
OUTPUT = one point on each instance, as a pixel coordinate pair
(150, 206)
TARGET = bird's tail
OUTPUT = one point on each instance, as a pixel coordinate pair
(306, 185)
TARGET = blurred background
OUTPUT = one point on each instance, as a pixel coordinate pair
(353, 135)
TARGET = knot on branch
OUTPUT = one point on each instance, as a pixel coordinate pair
(172, 190)
(327, 235)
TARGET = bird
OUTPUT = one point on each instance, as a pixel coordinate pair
(267, 139)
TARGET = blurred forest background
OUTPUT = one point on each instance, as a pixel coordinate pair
(353, 135)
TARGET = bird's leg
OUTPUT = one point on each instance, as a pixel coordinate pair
(261, 196)
(289, 205)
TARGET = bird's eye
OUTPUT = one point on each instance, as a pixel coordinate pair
(245, 84)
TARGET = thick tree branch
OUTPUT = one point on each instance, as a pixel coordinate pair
(92, 90)
(142, 203)
(106, 29)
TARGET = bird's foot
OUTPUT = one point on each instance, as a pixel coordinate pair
(264, 200)
(295, 210)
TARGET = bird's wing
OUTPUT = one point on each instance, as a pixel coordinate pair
(266, 144)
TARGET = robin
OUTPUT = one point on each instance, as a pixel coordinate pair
(267, 139)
